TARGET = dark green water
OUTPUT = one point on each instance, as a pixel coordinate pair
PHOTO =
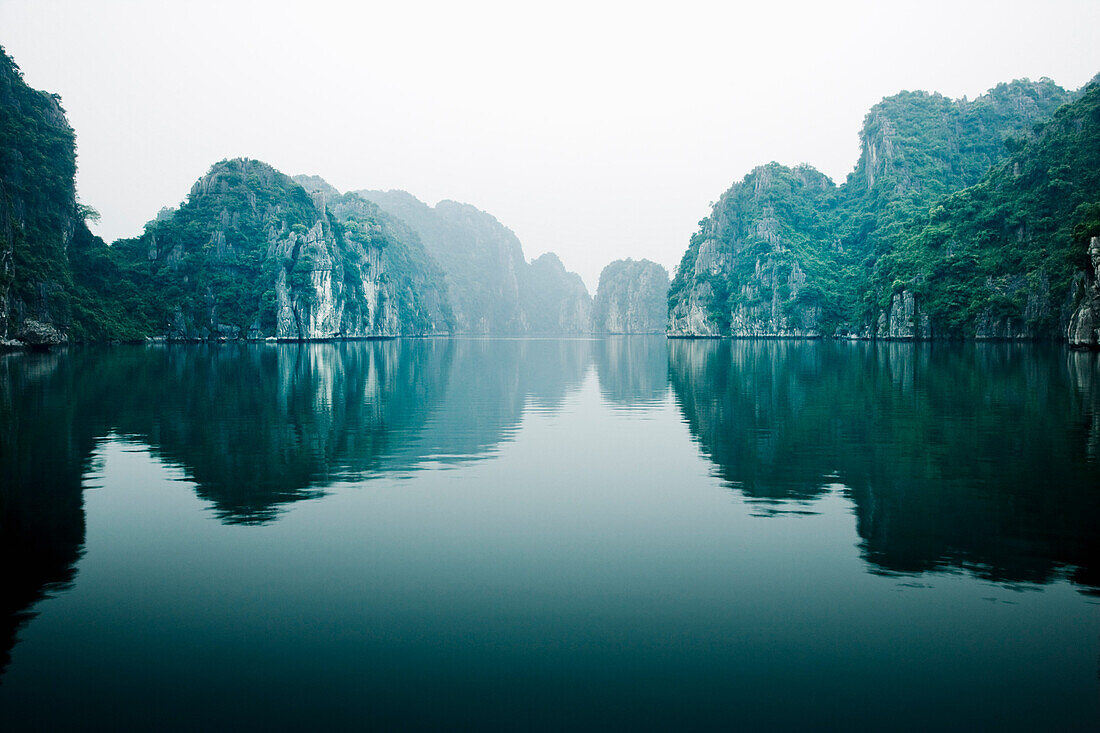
(551, 535)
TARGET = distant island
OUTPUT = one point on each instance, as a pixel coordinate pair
(963, 219)
(254, 254)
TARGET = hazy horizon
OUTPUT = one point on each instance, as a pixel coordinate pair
(598, 133)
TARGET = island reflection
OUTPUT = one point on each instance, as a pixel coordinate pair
(977, 457)
(980, 458)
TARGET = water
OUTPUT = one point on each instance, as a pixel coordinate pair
(622, 533)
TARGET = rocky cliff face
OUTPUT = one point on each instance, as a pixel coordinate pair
(748, 271)
(942, 230)
(399, 270)
(490, 285)
(917, 144)
(1083, 330)
(555, 301)
(632, 298)
(1007, 258)
(252, 254)
(38, 212)
(482, 260)
(902, 319)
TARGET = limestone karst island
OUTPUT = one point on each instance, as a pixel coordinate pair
(963, 219)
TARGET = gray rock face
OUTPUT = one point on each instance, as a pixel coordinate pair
(632, 298)
(555, 301)
(491, 287)
(895, 135)
(744, 273)
(785, 253)
(37, 333)
(762, 313)
(482, 260)
(331, 266)
(1083, 330)
(903, 320)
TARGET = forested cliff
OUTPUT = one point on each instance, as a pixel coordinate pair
(39, 213)
(962, 219)
(965, 218)
(251, 253)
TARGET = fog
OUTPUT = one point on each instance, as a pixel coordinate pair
(597, 131)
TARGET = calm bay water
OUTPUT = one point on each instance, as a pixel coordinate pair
(529, 534)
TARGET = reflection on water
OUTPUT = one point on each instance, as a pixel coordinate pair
(41, 509)
(980, 457)
(254, 427)
(975, 462)
(633, 372)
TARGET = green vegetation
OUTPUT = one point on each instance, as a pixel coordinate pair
(250, 253)
(212, 263)
(414, 279)
(1009, 247)
(38, 209)
(977, 208)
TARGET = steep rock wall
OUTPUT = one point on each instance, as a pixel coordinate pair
(1083, 330)
(491, 287)
(632, 297)
(554, 301)
(753, 269)
(38, 212)
(962, 219)
(252, 254)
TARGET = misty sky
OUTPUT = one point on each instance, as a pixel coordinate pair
(595, 130)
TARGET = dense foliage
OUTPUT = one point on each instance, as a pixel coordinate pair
(38, 209)
(790, 246)
(1010, 246)
(209, 262)
(250, 253)
(414, 277)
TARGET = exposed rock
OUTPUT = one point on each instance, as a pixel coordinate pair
(490, 285)
(482, 260)
(743, 274)
(907, 129)
(37, 333)
(279, 262)
(555, 301)
(632, 298)
(903, 320)
(785, 253)
(1083, 331)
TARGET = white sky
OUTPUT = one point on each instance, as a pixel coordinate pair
(595, 130)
